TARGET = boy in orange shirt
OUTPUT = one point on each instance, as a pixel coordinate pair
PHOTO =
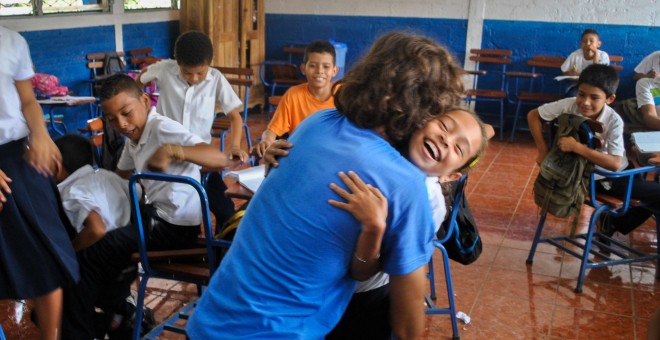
(300, 101)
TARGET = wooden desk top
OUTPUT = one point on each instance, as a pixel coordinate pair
(67, 101)
(238, 194)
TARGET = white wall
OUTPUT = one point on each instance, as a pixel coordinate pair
(455, 9)
(617, 12)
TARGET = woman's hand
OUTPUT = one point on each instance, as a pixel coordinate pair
(4, 188)
(43, 154)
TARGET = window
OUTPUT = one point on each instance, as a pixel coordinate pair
(45, 7)
(130, 5)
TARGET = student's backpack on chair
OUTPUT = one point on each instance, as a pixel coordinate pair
(563, 180)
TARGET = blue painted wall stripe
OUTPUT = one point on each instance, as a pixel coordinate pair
(357, 32)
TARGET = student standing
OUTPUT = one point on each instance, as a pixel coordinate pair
(36, 257)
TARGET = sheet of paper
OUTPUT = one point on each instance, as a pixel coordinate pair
(560, 78)
(249, 178)
(647, 141)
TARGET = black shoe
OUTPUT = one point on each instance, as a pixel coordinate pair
(604, 230)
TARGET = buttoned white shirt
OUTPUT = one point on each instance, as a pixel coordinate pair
(15, 65)
(192, 106)
(176, 203)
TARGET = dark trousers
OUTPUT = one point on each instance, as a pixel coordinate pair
(105, 261)
(220, 205)
(646, 191)
(366, 317)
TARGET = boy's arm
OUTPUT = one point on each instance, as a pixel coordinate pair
(125, 174)
(236, 121)
(138, 80)
(407, 304)
(609, 162)
(369, 207)
(267, 138)
(651, 74)
(536, 128)
(205, 155)
(93, 231)
(650, 116)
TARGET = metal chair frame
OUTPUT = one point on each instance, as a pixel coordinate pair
(430, 298)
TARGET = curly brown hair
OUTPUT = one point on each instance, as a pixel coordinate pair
(404, 80)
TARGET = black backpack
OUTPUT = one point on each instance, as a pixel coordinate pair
(464, 246)
(112, 64)
(563, 180)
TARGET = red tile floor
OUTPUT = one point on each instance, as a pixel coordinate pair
(505, 298)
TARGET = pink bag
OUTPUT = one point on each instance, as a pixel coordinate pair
(48, 85)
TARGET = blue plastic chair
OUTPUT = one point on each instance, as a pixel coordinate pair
(172, 270)
(453, 228)
(607, 246)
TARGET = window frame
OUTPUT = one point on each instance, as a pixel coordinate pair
(38, 10)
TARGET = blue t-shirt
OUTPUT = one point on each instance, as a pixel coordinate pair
(286, 273)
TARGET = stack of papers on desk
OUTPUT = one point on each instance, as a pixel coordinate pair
(249, 178)
(647, 141)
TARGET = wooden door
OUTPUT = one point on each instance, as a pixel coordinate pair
(236, 28)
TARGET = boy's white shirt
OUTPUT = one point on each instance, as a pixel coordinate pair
(648, 63)
(612, 125)
(647, 90)
(577, 59)
(439, 211)
(102, 191)
(192, 106)
(15, 64)
(176, 203)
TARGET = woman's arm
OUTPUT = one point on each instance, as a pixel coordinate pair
(42, 154)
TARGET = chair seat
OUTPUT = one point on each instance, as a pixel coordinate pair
(196, 270)
(615, 202)
(539, 97)
(486, 93)
(221, 123)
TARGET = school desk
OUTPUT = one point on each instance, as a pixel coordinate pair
(62, 102)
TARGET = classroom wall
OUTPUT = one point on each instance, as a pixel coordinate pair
(58, 44)
(527, 27)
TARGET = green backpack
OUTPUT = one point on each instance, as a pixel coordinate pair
(563, 180)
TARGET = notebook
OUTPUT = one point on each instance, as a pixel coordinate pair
(249, 178)
(647, 141)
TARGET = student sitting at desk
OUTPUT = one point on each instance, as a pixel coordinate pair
(588, 53)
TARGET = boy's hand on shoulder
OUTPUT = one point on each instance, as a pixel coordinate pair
(365, 202)
(568, 144)
(259, 150)
(274, 151)
(4, 188)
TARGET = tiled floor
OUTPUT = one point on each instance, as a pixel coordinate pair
(505, 298)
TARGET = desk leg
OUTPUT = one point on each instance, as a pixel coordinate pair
(53, 125)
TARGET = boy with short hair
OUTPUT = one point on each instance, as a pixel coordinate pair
(596, 87)
(172, 213)
(190, 90)
(588, 53)
(96, 201)
(300, 101)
